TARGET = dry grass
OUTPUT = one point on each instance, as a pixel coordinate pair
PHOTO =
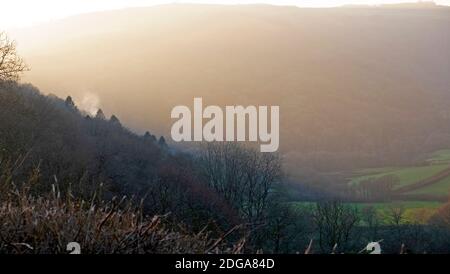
(37, 224)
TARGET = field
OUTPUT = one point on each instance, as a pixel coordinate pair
(421, 188)
(406, 175)
(427, 179)
(414, 211)
(440, 156)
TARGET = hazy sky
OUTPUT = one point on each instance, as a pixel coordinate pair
(17, 13)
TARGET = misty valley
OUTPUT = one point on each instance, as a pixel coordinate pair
(227, 129)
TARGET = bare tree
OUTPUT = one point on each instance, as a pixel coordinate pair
(11, 64)
(377, 189)
(243, 176)
(335, 222)
(370, 217)
(396, 214)
(396, 217)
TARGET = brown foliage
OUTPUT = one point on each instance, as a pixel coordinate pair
(47, 223)
(442, 216)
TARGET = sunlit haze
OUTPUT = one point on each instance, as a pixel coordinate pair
(18, 13)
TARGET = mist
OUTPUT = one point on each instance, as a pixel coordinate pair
(356, 86)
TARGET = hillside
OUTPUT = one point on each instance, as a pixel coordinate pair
(54, 136)
(363, 88)
(53, 144)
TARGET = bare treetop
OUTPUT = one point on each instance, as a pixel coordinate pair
(11, 65)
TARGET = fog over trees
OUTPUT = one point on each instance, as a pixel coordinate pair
(350, 96)
(356, 87)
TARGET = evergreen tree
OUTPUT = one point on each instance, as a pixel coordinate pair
(148, 136)
(100, 114)
(115, 120)
(70, 103)
(162, 141)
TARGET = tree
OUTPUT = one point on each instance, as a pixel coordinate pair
(115, 120)
(100, 115)
(335, 222)
(371, 219)
(70, 103)
(377, 189)
(162, 141)
(396, 217)
(11, 64)
(396, 214)
(243, 176)
(148, 136)
(288, 227)
(246, 179)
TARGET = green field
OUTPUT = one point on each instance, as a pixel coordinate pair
(414, 211)
(440, 188)
(406, 175)
(382, 206)
(404, 204)
(440, 156)
(436, 163)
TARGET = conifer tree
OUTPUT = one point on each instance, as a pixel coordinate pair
(162, 141)
(114, 120)
(100, 114)
(70, 103)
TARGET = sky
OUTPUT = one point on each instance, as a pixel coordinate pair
(19, 13)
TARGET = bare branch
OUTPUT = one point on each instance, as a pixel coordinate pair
(11, 65)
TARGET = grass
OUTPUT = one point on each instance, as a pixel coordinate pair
(373, 171)
(406, 175)
(46, 223)
(440, 156)
(438, 161)
(440, 188)
(415, 211)
(382, 206)
(405, 204)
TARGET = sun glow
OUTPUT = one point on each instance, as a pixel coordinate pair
(18, 13)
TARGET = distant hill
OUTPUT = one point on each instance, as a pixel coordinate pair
(356, 87)
(412, 5)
